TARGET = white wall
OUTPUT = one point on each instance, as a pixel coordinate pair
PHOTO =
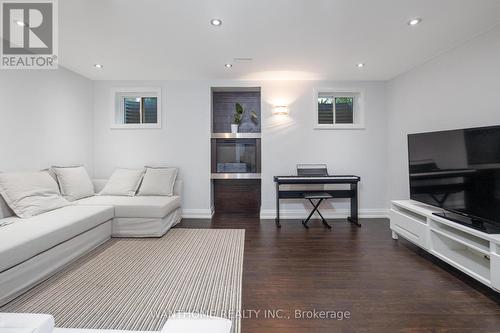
(458, 89)
(184, 139)
(291, 140)
(45, 119)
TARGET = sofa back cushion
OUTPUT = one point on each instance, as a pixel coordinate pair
(30, 193)
(74, 182)
(124, 182)
(158, 181)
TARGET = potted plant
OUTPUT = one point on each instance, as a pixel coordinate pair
(238, 116)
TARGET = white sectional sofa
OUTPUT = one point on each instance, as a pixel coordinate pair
(34, 248)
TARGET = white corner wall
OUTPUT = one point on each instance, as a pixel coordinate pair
(458, 89)
(45, 119)
(184, 140)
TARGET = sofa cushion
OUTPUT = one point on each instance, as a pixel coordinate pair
(123, 182)
(30, 193)
(158, 181)
(139, 206)
(74, 182)
(25, 238)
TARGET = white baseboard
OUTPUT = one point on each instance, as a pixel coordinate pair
(293, 213)
(327, 213)
(197, 213)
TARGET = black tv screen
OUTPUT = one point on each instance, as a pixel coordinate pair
(458, 171)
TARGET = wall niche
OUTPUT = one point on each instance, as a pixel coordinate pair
(223, 107)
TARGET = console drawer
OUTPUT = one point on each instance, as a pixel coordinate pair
(409, 227)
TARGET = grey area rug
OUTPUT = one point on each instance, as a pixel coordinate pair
(135, 284)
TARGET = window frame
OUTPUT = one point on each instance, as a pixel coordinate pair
(118, 96)
(358, 94)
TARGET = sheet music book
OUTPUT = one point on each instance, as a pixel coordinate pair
(312, 170)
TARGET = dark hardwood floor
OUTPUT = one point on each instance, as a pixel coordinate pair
(385, 285)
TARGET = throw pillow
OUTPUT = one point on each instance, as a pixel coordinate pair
(158, 181)
(74, 182)
(30, 193)
(124, 182)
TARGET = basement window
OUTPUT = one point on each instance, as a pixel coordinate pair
(137, 108)
(339, 109)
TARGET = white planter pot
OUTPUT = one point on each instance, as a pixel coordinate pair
(234, 128)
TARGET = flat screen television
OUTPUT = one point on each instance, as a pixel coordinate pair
(459, 172)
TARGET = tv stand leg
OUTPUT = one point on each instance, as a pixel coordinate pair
(394, 235)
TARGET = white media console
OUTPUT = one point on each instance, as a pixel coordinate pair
(473, 252)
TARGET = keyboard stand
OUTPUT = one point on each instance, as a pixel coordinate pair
(354, 206)
(351, 193)
(320, 197)
(277, 219)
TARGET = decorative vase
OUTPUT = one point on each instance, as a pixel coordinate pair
(234, 128)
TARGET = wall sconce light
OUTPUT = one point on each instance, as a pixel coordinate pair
(281, 110)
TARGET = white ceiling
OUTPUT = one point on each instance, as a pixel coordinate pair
(287, 39)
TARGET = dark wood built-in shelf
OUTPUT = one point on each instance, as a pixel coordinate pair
(236, 157)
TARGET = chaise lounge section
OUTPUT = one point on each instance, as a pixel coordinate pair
(139, 216)
(33, 249)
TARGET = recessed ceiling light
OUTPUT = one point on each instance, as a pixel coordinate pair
(414, 21)
(216, 22)
(98, 66)
(228, 65)
(20, 23)
(360, 65)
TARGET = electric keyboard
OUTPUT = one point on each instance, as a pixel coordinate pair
(336, 179)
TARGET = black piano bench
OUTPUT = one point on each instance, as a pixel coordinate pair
(320, 196)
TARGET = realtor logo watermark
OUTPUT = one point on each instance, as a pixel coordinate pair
(29, 31)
